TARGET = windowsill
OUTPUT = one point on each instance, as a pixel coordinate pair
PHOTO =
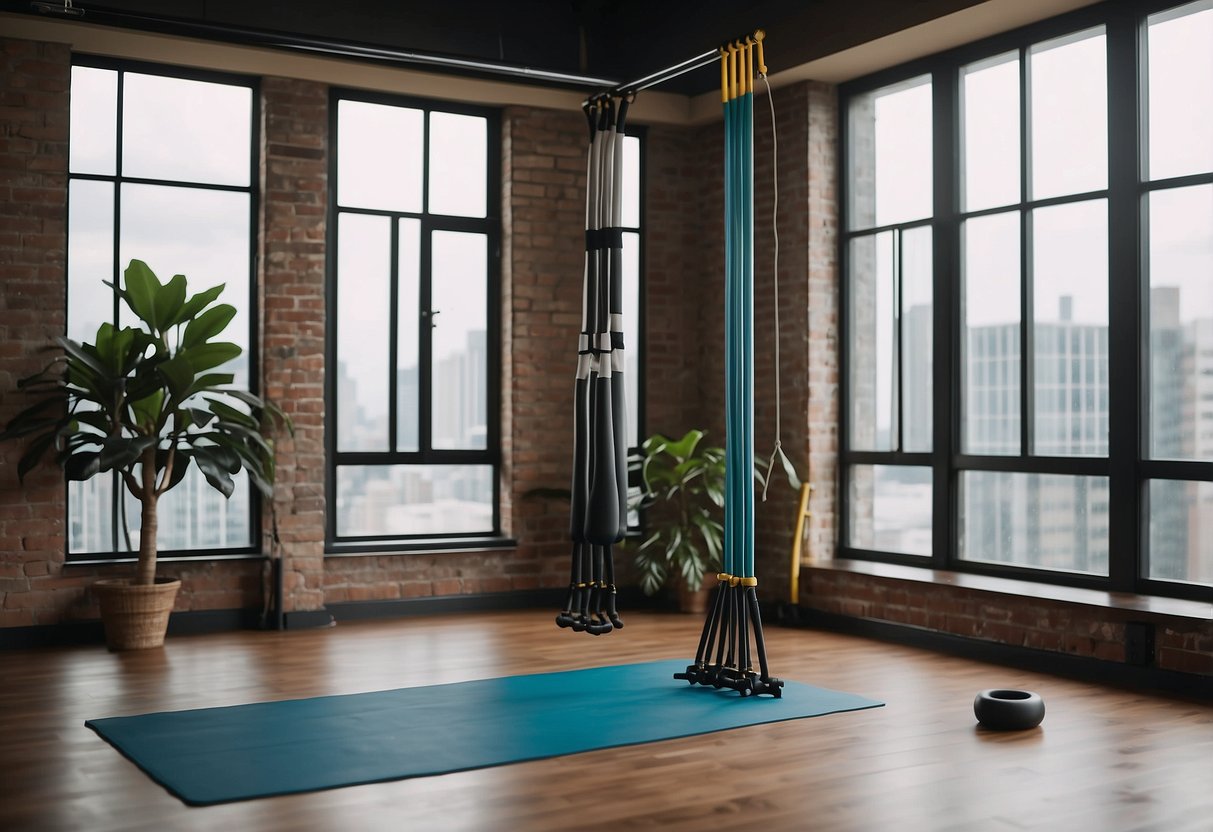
(418, 546)
(1125, 601)
(162, 559)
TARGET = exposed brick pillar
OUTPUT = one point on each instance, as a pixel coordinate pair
(294, 196)
(673, 282)
(822, 324)
(34, 84)
(544, 159)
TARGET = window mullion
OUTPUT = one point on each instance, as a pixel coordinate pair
(393, 314)
(898, 381)
(945, 259)
(1026, 314)
(425, 338)
(1126, 299)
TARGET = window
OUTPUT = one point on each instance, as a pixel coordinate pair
(890, 308)
(413, 315)
(162, 167)
(1073, 262)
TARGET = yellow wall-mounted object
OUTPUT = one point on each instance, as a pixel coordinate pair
(802, 513)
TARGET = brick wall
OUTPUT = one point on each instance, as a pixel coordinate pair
(1021, 621)
(33, 201)
(294, 162)
(674, 228)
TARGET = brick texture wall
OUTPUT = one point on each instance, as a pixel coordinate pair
(294, 161)
(33, 200)
(1074, 628)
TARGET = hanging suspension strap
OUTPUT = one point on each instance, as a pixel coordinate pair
(598, 505)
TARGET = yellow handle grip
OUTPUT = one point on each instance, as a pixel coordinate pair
(759, 36)
(749, 65)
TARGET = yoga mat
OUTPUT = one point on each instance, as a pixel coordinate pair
(217, 755)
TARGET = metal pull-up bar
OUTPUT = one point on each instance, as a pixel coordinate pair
(689, 65)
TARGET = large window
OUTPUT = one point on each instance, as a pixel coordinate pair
(1028, 253)
(162, 167)
(413, 314)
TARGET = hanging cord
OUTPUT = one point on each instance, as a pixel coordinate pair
(778, 449)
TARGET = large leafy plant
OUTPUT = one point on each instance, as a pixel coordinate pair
(682, 483)
(147, 402)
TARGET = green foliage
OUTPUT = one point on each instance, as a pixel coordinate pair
(683, 486)
(682, 489)
(144, 397)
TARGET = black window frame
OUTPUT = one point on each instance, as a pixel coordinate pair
(491, 226)
(640, 133)
(253, 189)
(1127, 465)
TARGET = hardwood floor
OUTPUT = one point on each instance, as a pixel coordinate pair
(1103, 759)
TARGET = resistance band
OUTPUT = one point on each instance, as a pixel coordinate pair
(734, 625)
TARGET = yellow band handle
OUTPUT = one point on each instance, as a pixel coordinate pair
(749, 582)
(723, 576)
(749, 65)
(759, 36)
(733, 73)
(734, 580)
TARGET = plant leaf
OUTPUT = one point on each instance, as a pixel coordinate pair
(197, 303)
(166, 304)
(147, 410)
(207, 325)
(119, 452)
(178, 374)
(206, 356)
(215, 471)
(82, 465)
(140, 294)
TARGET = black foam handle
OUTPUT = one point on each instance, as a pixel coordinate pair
(602, 512)
(580, 491)
(619, 425)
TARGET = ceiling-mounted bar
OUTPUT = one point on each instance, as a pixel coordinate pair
(301, 43)
(667, 74)
(672, 72)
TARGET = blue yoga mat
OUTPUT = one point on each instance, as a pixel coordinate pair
(217, 755)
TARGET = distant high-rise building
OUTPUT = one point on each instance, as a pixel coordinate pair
(1044, 521)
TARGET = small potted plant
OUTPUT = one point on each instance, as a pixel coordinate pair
(682, 486)
(147, 402)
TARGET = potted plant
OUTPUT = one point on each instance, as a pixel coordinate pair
(146, 402)
(682, 485)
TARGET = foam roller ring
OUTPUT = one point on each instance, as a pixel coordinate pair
(1009, 710)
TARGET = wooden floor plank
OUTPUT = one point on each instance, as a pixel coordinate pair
(1104, 759)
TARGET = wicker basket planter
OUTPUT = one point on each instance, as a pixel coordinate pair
(135, 616)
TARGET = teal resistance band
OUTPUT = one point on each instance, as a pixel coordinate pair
(724, 657)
